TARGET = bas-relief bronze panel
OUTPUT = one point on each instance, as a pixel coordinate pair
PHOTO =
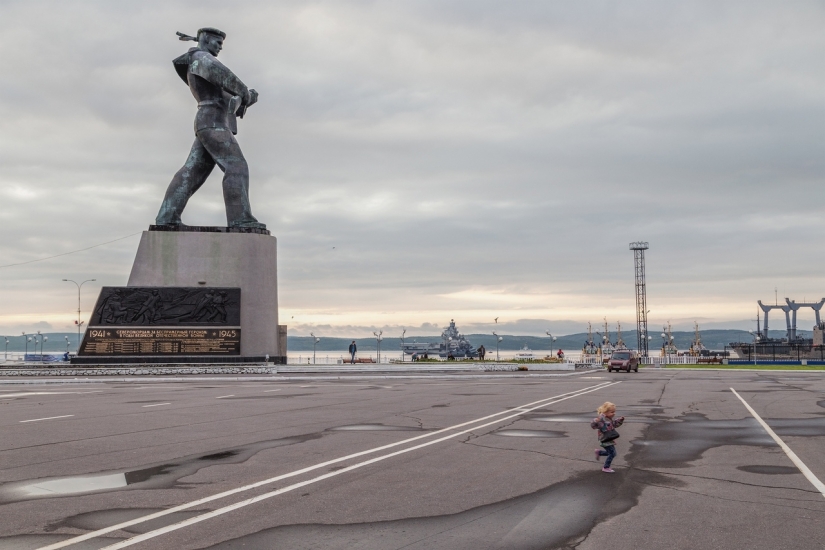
(167, 306)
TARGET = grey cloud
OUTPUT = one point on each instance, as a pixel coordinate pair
(440, 147)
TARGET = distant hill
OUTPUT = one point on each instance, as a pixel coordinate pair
(712, 339)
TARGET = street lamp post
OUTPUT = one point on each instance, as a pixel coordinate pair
(6, 358)
(378, 343)
(552, 341)
(79, 322)
(315, 341)
(35, 344)
(498, 339)
(67, 344)
(43, 340)
(665, 348)
(403, 332)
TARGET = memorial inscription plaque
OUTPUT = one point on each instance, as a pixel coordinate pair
(173, 321)
(162, 341)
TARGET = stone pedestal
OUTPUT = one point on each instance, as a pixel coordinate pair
(219, 259)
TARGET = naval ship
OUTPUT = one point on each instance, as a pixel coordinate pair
(793, 346)
(452, 343)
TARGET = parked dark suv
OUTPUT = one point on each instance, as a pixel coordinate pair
(623, 360)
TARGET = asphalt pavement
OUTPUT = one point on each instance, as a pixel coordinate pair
(436, 463)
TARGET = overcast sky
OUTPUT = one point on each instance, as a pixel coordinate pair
(465, 159)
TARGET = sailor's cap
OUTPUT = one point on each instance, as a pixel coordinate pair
(212, 30)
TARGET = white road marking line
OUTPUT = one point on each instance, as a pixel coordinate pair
(792, 455)
(32, 393)
(247, 502)
(225, 396)
(186, 506)
(47, 418)
(346, 386)
(156, 405)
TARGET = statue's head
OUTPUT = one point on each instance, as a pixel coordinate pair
(211, 40)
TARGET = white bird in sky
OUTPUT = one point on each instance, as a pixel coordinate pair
(496, 320)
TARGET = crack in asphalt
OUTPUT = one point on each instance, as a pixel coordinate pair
(733, 499)
(420, 422)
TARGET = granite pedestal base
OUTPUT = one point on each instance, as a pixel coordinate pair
(219, 259)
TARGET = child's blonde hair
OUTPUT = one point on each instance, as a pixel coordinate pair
(606, 406)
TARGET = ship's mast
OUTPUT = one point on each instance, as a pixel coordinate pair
(696, 346)
(668, 348)
(606, 332)
(589, 346)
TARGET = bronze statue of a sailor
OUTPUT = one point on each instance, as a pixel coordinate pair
(222, 97)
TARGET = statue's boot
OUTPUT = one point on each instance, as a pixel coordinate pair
(251, 224)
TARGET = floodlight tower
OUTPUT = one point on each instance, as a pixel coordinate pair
(638, 249)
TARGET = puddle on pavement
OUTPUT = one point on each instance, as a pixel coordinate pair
(439, 406)
(32, 542)
(560, 515)
(768, 470)
(802, 427)
(821, 403)
(156, 476)
(676, 443)
(100, 519)
(539, 417)
(71, 485)
(530, 433)
(374, 428)
(585, 418)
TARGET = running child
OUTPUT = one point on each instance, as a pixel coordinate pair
(606, 426)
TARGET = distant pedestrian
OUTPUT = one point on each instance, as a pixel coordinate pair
(352, 350)
(607, 434)
(481, 352)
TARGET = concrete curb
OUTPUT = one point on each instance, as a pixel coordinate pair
(703, 369)
(281, 378)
